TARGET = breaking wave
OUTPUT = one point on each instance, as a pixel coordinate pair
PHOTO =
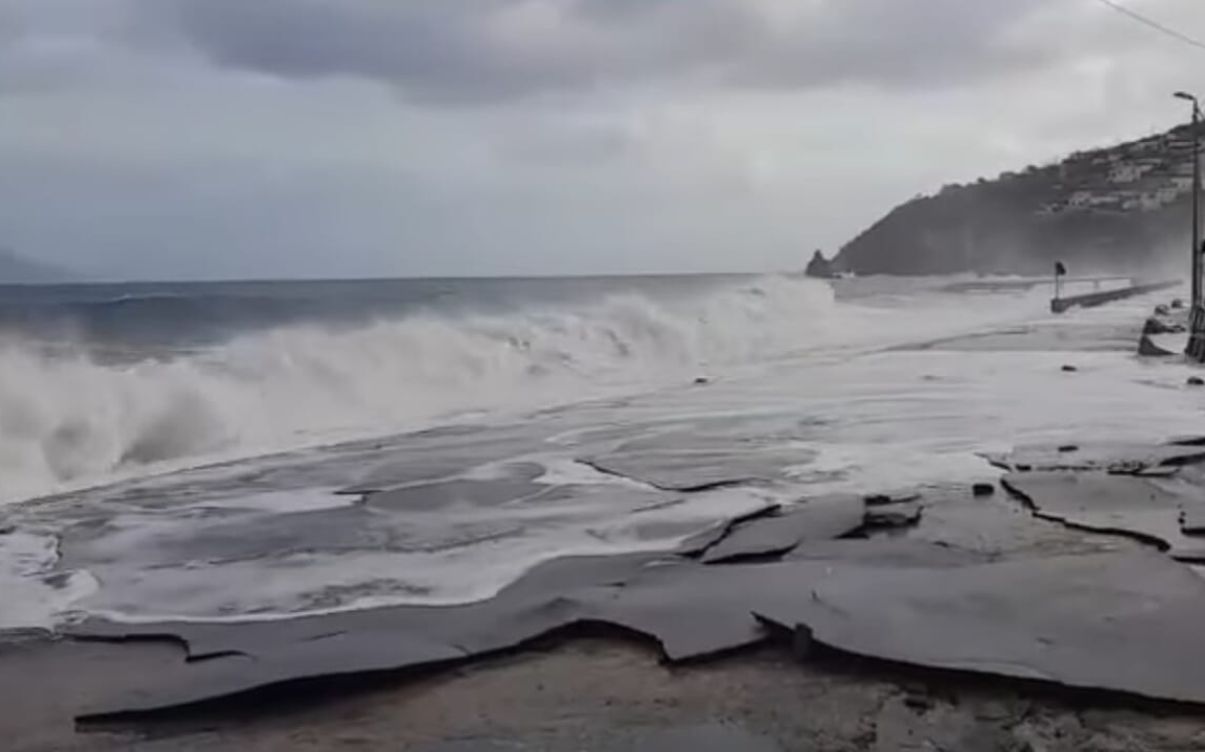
(68, 418)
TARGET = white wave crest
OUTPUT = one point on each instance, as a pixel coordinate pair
(67, 420)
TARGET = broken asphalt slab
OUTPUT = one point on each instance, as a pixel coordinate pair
(1119, 458)
(1141, 508)
(691, 460)
(1127, 623)
(822, 519)
(1044, 619)
(624, 591)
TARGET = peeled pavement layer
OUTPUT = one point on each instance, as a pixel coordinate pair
(1154, 494)
(1142, 508)
(695, 460)
(691, 609)
(818, 570)
(823, 519)
(1127, 623)
(1046, 619)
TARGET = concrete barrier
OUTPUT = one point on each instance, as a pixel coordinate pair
(1089, 300)
(1027, 283)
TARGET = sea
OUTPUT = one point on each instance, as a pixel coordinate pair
(266, 449)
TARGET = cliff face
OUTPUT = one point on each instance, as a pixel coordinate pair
(1118, 209)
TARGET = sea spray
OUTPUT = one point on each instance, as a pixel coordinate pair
(70, 417)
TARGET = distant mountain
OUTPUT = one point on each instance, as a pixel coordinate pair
(15, 269)
(1117, 209)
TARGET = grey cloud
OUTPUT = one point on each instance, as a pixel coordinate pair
(135, 144)
(576, 144)
(223, 220)
(61, 44)
(499, 49)
(891, 43)
(464, 49)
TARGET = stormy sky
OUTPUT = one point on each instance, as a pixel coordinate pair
(267, 138)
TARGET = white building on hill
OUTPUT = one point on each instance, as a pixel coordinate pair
(1128, 172)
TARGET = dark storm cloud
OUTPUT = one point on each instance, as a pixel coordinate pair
(499, 49)
(200, 138)
(463, 49)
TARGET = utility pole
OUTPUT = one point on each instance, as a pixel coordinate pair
(1196, 315)
(1196, 197)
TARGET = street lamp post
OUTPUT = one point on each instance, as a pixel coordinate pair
(1196, 197)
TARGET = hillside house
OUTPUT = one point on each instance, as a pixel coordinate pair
(1139, 201)
(1128, 172)
(1079, 200)
(1168, 194)
(1146, 145)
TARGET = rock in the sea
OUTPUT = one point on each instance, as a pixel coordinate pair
(1196, 381)
(1177, 303)
(1162, 310)
(820, 267)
